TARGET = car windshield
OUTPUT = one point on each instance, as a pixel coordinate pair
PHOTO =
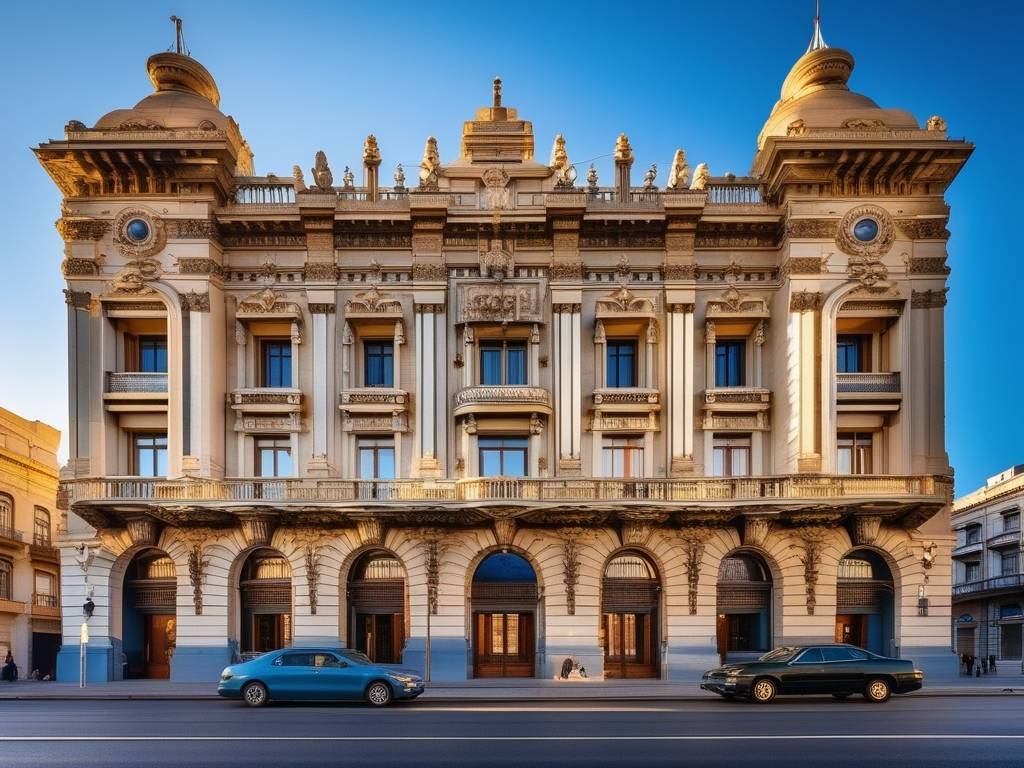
(784, 653)
(357, 657)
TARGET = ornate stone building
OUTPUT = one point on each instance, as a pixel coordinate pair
(495, 416)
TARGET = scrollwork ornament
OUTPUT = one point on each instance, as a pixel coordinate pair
(874, 248)
(135, 249)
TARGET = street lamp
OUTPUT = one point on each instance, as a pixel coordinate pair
(83, 640)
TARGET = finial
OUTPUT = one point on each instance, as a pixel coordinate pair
(817, 41)
(497, 91)
(179, 37)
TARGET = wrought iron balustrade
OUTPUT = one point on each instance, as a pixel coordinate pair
(994, 584)
(868, 382)
(136, 382)
(267, 193)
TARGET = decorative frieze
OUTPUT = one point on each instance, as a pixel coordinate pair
(685, 309)
(396, 422)
(194, 302)
(924, 229)
(75, 267)
(72, 229)
(192, 229)
(570, 567)
(373, 304)
(928, 265)
(500, 303)
(320, 272)
(289, 422)
(811, 229)
(805, 301)
(930, 299)
(433, 271)
(567, 270)
(188, 265)
(602, 422)
(322, 309)
(802, 265)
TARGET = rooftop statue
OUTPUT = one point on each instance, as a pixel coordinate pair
(650, 176)
(371, 152)
(348, 179)
(623, 151)
(430, 164)
(679, 176)
(399, 177)
(592, 177)
(300, 181)
(323, 179)
(565, 172)
(701, 177)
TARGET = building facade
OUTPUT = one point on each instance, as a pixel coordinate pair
(496, 416)
(988, 588)
(30, 627)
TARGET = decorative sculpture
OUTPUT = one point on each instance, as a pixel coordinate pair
(399, 178)
(298, 178)
(592, 178)
(701, 177)
(348, 178)
(650, 176)
(679, 177)
(565, 172)
(430, 164)
(371, 152)
(936, 123)
(322, 176)
(623, 151)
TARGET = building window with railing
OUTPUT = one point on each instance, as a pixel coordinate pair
(730, 456)
(854, 450)
(273, 457)
(152, 354)
(45, 589)
(621, 363)
(41, 527)
(1011, 522)
(730, 362)
(6, 579)
(376, 458)
(379, 363)
(149, 454)
(972, 571)
(503, 456)
(972, 534)
(276, 362)
(1009, 564)
(853, 353)
(6, 514)
(622, 457)
(503, 363)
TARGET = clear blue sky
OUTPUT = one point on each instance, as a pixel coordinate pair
(299, 77)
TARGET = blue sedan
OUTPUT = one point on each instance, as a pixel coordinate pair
(317, 674)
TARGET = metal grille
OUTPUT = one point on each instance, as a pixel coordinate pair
(267, 595)
(640, 595)
(504, 595)
(155, 596)
(861, 596)
(383, 596)
(743, 596)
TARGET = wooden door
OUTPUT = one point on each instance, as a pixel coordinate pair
(267, 632)
(722, 633)
(378, 635)
(629, 648)
(503, 644)
(160, 629)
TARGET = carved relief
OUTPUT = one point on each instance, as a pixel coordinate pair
(678, 271)
(142, 531)
(732, 302)
(371, 531)
(694, 540)
(312, 561)
(866, 528)
(802, 265)
(195, 539)
(504, 530)
(924, 229)
(372, 302)
(500, 303)
(195, 302)
(256, 530)
(756, 531)
(812, 538)
(199, 266)
(930, 299)
(75, 267)
(622, 301)
(81, 229)
(193, 229)
(805, 301)
(320, 272)
(928, 265)
(811, 229)
(567, 270)
(267, 302)
(570, 568)
(431, 271)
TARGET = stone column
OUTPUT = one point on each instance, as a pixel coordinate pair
(469, 357)
(399, 340)
(533, 376)
(322, 321)
(204, 380)
(568, 388)
(623, 163)
(710, 338)
(649, 359)
(805, 309)
(680, 387)
(926, 388)
(80, 361)
(429, 429)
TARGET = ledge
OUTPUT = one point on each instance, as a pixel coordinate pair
(496, 400)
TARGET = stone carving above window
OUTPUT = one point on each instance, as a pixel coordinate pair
(732, 302)
(373, 303)
(624, 302)
(502, 303)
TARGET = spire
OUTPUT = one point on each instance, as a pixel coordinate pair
(817, 41)
(497, 92)
(179, 38)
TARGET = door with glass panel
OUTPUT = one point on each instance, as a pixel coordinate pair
(629, 606)
(503, 644)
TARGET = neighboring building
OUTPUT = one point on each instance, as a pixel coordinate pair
(500, 413)
(29, 561)
(988, 588)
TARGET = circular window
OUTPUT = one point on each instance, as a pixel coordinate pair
(137, 230)
(865, 230)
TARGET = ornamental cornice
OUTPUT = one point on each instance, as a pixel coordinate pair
(811, 229)
(71, 229)
(686, 309)
(805, 301)
(195, 302)
(924, 229)
(429, 271)
(928, 265)
(193, 229)
(198, 266)
(436, 309)
(930, 299)
(75, 267)
(566, 309)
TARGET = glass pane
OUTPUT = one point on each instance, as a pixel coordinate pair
(386, 463)
(718, 462)
(629, 635)
(864, 459)
(512, 634)
(845, 460)
(265, 462)
(516, 365)
(607, 462)
(740, 462)
(497, 633)
(366, 463)
(490, 366)
(284, 462)
(614, 622)
(515, 463)
(490, 462)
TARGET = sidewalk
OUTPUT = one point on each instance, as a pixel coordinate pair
(482, 690)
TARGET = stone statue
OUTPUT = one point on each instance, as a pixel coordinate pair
(650, 176)
(565, 172)
(429, 165)
(936, 123)
(592, 177)
(371, 152)
(701, 177)
(497, 92)
(679, 177)
(300, 181)
(399, 178)
(348, 179)
(623, 151)
(322, 176)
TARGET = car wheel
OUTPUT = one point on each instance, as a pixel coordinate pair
(255, 694)
(843, 695)
(877, 690)
(763, 690)
(379, 694)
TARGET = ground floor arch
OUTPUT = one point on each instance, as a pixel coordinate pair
(865, 602)
(630, 619)
(265, 601)
(503, 611)
(149, 615)
(745, 594)
(376, 599)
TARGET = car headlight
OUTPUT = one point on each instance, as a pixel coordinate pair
(226, 675)
(403, 679)
(731, 679)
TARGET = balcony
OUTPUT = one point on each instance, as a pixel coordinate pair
(11, 606)
(868, 391)
(1004, 540)
(45, 606)
(11, 540)
(971, 548)
(43, 552)
(502, 399)
(266, 399)
(135, 391)
(642, 399)
(743, 408)
(988, 587)
(374, 409)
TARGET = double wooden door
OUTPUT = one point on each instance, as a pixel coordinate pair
(629, 646)
(160, 638)
(503, 644)
(379, 636)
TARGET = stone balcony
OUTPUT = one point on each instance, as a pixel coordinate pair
(627, 399)
(743, 408)
(988, 587)
(502, 399)
(965, 550)
(12, 606)
(11, 540)
(1004, 540)
(45, 606)
(127, 391)
(374, 409)
(266, 400)
(44, 553)
(868, 391)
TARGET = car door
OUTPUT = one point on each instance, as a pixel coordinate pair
(805, 673)
(842, 669)
(292, 676)
(336, 679)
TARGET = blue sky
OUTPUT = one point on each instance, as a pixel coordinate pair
(300, 77)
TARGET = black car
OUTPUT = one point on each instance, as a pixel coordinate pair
(840, 670)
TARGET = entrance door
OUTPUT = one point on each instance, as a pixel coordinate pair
(852, 629)
(267, 632)
(629, 645)
(160, 638)
(377, 635)
(503, 644)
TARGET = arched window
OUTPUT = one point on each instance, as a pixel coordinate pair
(6, 569)
(855, 568)
(629, 567)
(6, 514)
(382, 568)
(41, 531)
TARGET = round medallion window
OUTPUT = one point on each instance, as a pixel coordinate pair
(865, 230)
(137, 230)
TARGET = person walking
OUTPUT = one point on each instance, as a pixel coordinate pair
(10, 669)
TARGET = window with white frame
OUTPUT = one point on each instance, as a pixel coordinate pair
(730, 456)
(854, 453)
(376, 458)
(622, 457)
(273, 457)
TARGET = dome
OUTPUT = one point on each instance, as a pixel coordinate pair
(186, 97)
(815, 95)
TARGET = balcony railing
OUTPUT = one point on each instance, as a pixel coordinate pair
(786, 487)
(510, 396)
(868, 382)
(626, 396)
(136, 381)
(967, 549)
(995, 584)
(45, 601)
(265, 194)
(734, 194)
(38, 550)
(11, 535)
(266, 398)
(1005, 539)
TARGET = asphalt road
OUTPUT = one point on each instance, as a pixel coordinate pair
(933, 731)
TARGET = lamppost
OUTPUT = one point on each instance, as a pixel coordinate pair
(83, 641)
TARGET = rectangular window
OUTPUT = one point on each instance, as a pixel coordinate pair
(853, 353)
(41, 527)
(972, 534)
(276, 362)
(153, 354)
(730, 363)
(503, 363)
(6, 572)
(1011, 522)
(45, 589)
(623, 457)
(378, 362)
(503, 456)
(854, 453)
(6, 514)
(1010, 563)
(149, 452)
(273, 457)
(731, 456)
(376, 458)
(621, 363)
(972, 571)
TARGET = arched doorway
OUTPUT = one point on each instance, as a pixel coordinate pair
(744, 625)
(629, 617)
(265, 587)
(504, 610)
(864, 602)
(148, 615)
(376, 592)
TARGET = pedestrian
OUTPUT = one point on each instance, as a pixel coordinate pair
(963, 663)
(992, 663)
(977, 669)
(10, 669)
(984, 665)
